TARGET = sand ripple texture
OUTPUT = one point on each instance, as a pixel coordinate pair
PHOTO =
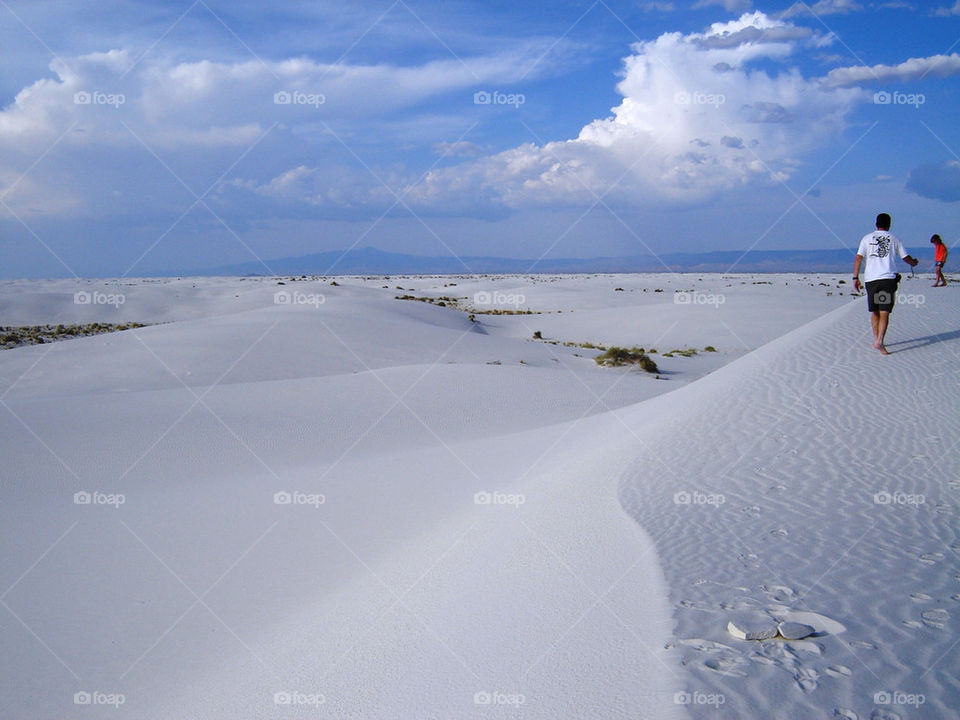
(815, 480)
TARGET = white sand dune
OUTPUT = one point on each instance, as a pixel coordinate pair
(821, 485)
(467, 539)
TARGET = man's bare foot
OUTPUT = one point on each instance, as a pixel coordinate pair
(877, 344)
(883, 350)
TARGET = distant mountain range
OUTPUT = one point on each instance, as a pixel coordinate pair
(370, 261)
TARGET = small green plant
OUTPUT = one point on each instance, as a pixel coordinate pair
(618, 356)
(537, 335)
(709, 348)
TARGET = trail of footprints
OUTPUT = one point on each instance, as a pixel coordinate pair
(735, 659)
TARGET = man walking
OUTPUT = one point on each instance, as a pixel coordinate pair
(880, 248)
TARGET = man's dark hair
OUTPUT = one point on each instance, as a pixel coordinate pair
(883, 221)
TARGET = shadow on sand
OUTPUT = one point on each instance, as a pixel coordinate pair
(920, 342)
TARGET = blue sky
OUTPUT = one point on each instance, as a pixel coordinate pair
(139, 137)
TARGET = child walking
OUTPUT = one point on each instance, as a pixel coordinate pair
(939, 257)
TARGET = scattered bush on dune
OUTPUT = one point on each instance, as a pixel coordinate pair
(618, 356)
(15, 336)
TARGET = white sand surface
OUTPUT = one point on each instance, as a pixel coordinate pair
(469, 535)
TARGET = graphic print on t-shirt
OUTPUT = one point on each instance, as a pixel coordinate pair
(883, 246)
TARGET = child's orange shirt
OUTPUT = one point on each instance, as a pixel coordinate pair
(940, 253)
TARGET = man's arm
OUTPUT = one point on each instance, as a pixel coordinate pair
(856, 272)
(907, 257)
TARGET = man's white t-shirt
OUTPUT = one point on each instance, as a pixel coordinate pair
(880, 248)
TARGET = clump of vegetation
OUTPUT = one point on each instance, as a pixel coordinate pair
(689, 352)
(446, 301)
(709, 348)
(618, 356)
(537, 335)
(14, 336)
(442, 301)
(498, 311)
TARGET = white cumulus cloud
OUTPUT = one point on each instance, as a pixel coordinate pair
(823, 7)
(699, 116)
(912, 69)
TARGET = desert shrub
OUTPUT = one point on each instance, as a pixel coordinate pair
(618, 356)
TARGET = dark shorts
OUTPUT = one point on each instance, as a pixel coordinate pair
(881, 294)
(939, 263)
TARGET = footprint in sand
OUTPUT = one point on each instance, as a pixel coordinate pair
(943, 509)
(780, 532)
(750, 560)
(778, 592)
(913, 624)
(920, 597)
(729, 665)
(884, 715)
(702, 645)
(845, 714)
(839, 671)
(807, 679)
(935, 618)
(862, 644)
(738, 604)
(751, 511)
(777, 488)
(931, 558)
